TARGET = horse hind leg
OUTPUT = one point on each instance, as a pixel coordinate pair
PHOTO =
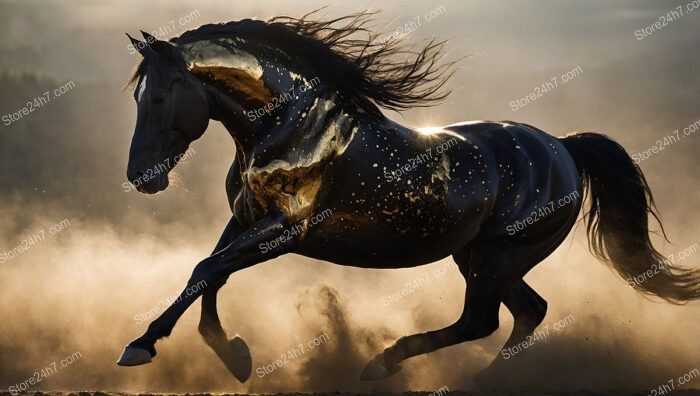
(486, 283)
(528, 309)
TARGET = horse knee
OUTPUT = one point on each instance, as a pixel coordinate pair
(205, 271)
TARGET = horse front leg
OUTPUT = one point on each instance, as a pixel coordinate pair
(242, 253)
(234, 353)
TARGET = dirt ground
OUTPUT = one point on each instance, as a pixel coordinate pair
(689, 392)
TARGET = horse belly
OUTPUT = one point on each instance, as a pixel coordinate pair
(374, 242)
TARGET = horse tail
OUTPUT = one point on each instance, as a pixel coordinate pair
(617, 222)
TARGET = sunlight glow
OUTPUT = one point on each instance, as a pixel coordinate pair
(430, 130)
(437, 131)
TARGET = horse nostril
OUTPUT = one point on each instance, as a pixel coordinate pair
(138, 176)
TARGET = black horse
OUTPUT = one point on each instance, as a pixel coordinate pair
(320, 171)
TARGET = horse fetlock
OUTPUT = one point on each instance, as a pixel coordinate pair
(144, 343)
(378, 368)
(211, 332)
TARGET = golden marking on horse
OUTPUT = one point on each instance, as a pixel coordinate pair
(293, 187)
(235, 71)
(237, 83)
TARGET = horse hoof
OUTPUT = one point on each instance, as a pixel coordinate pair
(376, 369)
(242, 364)
(134, 356)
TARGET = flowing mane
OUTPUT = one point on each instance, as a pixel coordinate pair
(393, 75)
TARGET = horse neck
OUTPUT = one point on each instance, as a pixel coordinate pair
(303, 110)
(230, 113)
(306, 119)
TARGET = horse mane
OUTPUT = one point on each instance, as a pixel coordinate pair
(393, 75)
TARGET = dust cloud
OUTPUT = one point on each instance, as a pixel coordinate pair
(83, 289)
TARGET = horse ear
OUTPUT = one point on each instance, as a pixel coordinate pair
(139, 46)
(149, 39)
(166, 50)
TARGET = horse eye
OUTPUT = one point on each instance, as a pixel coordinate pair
(158, 100)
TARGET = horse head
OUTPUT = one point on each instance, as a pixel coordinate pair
(172, 112)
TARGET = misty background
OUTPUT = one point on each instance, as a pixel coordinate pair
(124, 252)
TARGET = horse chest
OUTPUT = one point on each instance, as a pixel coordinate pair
(292, 189)
(292, 182)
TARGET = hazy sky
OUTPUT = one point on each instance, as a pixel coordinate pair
(505, 35)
